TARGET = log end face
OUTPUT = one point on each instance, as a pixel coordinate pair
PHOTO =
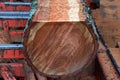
(59, 48)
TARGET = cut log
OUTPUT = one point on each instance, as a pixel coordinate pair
(56, 43)
(59, 48)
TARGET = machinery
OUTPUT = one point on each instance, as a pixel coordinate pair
(13, 18)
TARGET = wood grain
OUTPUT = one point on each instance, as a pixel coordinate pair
(59, 48)
(108, 21)
(59, 11)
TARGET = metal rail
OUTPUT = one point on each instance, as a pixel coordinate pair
(11, 46)
(14, 15)
(18, 3)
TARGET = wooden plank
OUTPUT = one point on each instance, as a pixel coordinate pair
(107, 67)
(108, 21)
(116, 54)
